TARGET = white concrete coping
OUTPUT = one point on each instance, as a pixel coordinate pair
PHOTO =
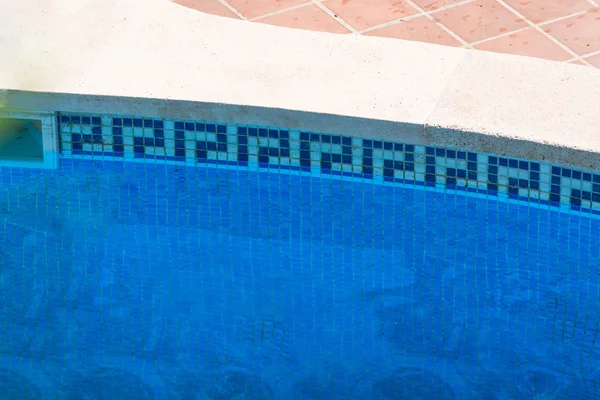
(154, 58)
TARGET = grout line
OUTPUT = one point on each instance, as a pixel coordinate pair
(232, 9)
(335, 17)
(562, 18)
(257, 19)
(527, 27)
(449, 31)
(422, 13)
(593, 53)
(536, 27)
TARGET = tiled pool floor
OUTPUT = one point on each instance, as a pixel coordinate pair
(560, 30)
(143, 281)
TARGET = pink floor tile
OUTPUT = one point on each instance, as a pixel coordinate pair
(256, 8)
(545, 10)
(207, 6)
(528, 42)
(431, 5)
(420, 29)
(594, 60)
(479, 20)
(308, 17)
(581, 34)
(363, 14)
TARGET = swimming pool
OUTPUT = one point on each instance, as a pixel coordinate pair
(179, 259)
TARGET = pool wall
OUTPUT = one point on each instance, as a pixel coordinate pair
(469, 119)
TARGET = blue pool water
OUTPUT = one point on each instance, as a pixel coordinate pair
(150, 281)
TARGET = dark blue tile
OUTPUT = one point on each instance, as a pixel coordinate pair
(451, 154)
(304, 136)
(96, 121)
(378, 144)
(148, 123)
(211, 128)
(555, 170)
(566, 172)
(503, 162)
(138, 123)
(159, 133)
(512, 163)
(283, 134)
(388, 145)
(336, 158)
(587, 177)
(242, 130)
(534, 176)
(325, 138)
(472, 157)
(158, 124)
(576, 175)
(222, 147)
(75, 120)
(472, 175)
(409, 157)
(65, 119)
(336, 139)
(221, 128)
(440, 152)
(430, 160)
(555, 180)
(523, 165)
(179, 125)
(534, 185)
(191, 126)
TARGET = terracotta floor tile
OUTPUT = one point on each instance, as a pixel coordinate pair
(207, 6)
(420, 29)
(363, 14)
(479, 20)
(594, 60)
(431, 5)
(257, 8)
(545, 10)
(581, 34)
(528, 42)
(309, 17)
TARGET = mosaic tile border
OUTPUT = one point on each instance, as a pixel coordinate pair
(202, 142)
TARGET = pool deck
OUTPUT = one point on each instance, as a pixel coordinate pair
(169, 61)
(559, 30)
